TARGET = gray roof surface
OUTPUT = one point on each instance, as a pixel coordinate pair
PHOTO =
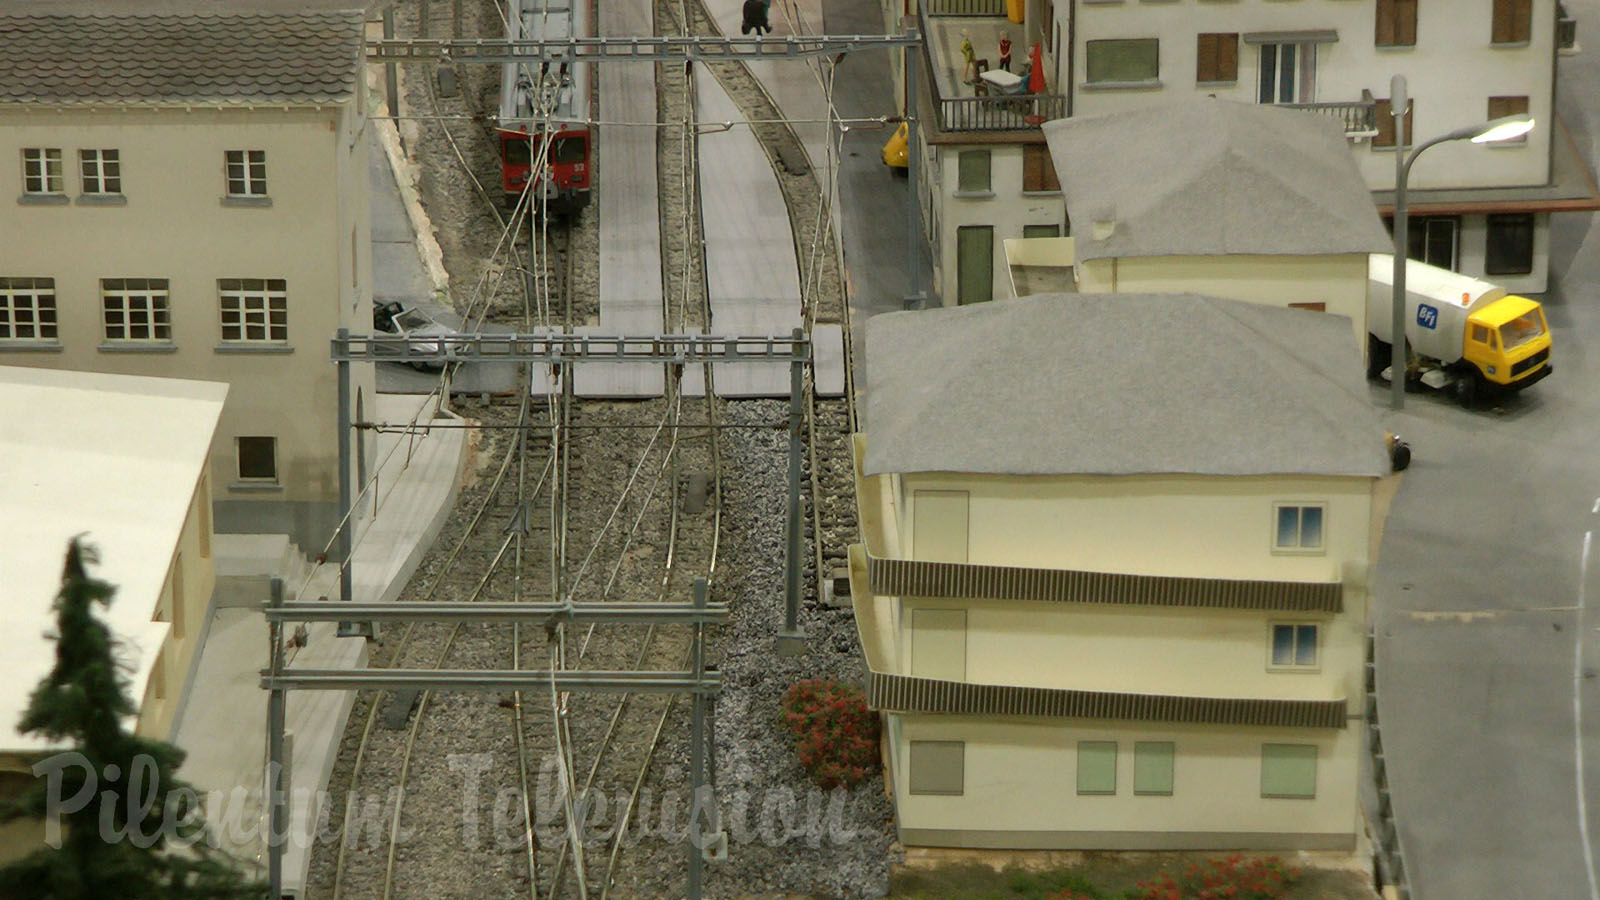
(1118, 384)
(146, 55)
(1211, 177)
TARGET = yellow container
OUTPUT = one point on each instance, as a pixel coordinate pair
(1014, 11)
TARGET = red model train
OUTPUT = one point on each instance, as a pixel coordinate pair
(544, 112)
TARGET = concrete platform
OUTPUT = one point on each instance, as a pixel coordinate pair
(223, 726)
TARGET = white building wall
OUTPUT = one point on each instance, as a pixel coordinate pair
(1006, 207)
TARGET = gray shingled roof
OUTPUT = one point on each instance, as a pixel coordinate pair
(111, 58)
(1118, 384)
(1209, 177)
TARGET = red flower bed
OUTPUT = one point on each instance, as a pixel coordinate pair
(1233, 878)
(834, 732)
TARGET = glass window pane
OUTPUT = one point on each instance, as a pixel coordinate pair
(1282, 645)
(1097, 767)
(1288, 526)
(1286, 74)
(1289, 770)
(1305, 645)
(1152, 767)
(937, 767)
(973, 171)
(1269, 71)
(1311, 526)
(1124, 60)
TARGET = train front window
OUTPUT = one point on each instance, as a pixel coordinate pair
(568, 150)
(1521, 330)
(515, 150)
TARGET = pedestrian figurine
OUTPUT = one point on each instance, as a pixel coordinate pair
(1005, 51)
(755, 18)
(969, 60)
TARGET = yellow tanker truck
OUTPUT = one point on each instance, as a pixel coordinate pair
(1467, 335)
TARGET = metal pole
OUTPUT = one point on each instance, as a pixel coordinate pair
(1398, 355)
(790, 639)
(344, 474)
(390, 85)
(913, 171)
(276, 702)
(697, 750)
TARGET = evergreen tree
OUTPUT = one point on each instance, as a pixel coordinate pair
(115, 845)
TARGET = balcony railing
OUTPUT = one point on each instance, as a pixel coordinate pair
(966, 7)
(997, 112)
(1358, 117)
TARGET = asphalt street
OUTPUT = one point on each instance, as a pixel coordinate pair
(1485, 592)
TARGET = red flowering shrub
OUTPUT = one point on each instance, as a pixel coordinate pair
(834, 732)
(1232, 878)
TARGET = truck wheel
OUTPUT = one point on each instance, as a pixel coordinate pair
(1465, 389)
(1377, 357)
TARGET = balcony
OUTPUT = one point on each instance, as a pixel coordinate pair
(1359, 117)
(961, 107)
(1566, 31)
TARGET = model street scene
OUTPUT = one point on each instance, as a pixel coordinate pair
(1059, 449)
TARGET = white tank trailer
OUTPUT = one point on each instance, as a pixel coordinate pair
(1465, 334)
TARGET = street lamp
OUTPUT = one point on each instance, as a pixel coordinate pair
(1504, 129)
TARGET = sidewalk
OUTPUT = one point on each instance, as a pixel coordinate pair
(223, 726)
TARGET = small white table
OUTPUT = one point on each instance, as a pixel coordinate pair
(1002, 81)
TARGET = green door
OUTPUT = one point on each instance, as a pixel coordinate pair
(974, 264)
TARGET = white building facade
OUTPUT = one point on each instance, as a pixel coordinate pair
(212, 226)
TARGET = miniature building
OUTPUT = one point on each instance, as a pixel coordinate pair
(120, 460)
(187, 195)
(1113, 586)
(1251, 203)
(1481, 211)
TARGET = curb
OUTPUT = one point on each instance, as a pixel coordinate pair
(388, 133)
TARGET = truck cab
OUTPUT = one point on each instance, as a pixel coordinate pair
(1508, 342)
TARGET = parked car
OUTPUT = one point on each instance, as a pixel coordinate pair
(392, 317)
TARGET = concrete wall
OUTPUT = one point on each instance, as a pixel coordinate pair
(186, 604)
(1339, 281)
(1451, 73)
(1020, 788)
(1184, 525)
(315, 235)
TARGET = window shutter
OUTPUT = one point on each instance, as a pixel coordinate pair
(1385, 123)
(1032, 169)
(1500, 107)
(1383, 33)
(1205, 68)
(1405, 25)
(1228, 57)
(1512, 21)
(1217, 57)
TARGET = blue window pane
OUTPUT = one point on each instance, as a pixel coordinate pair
(1286, 75)
(1311, 526)
(1269, 68)
(1288, 526)
(1282, 645)
(1305, 645)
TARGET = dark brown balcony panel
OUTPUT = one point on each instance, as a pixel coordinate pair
(914, 578)
(902, 693)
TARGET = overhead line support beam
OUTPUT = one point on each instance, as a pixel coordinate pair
(628, 49)
(619, 613)
(490, 680)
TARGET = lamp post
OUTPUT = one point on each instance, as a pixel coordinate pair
(1504, 129)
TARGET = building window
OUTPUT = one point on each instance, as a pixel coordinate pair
(974, 264)
(1097, 767)
(1431, 239)
(1500, 107)
(972, 172)
(27, 309)
(1130, 61)
(254, 310)
(1152, 767)
(1038, 169)
(1288, 73)
(938, 767)
(1397, 23)
(1383, 118)
(247, 173)
(41, 170)
(1216, 58)
(1041, 231)
(136, 309)
(102, 171)
(1510, 245)
(1289, 771)
(1294, 645)
(1299, 527)
(1512, 22)
(258, 458)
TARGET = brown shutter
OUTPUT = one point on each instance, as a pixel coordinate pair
(1051, 182)
(1038, 169)
(1385, 123)
(1216, 57)
(1500, 107)
(1405, 25)
(1383, 30)
(1512, 22)
(1228, 57)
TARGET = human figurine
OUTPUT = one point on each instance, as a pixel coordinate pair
(755, 18)
(969, 60)
(1005, 51)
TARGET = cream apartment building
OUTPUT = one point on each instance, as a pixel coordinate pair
(186, 194)
(121, 461)
(1251, 203)
(1113, 587)
(1483, 211)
